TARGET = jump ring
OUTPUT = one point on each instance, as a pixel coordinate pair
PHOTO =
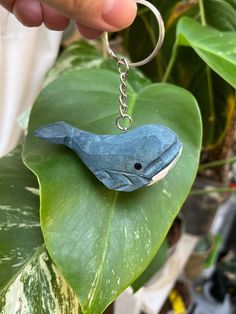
(125, 117)
(159, 42)
(122, 63)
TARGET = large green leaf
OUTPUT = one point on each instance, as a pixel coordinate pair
(29, 281)
(221, 14)
(217, 49)
(102, 240)
(215, 96)
(20, 233)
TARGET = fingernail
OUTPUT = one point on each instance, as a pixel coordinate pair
(119, 13)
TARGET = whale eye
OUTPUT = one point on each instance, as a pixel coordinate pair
(138, 166)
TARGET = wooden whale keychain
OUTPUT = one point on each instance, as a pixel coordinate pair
(132, 159)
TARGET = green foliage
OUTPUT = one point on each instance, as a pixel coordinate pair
(198, 58)
(29, 281)
(221, 14)
(103, 240)
(79, 55)
(82, 55)
(19, 216)
(217, 50)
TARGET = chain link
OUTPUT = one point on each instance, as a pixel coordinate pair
(123, 68)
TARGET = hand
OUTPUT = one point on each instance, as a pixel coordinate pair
(92, 16)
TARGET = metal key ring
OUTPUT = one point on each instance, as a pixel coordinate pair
(159, 42)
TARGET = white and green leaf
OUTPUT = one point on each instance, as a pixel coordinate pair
(29, 281)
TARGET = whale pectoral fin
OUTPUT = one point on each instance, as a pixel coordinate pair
(110, 179)
(121, 181)
(104, 176)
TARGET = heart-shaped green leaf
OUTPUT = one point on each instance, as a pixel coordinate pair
(103, 240)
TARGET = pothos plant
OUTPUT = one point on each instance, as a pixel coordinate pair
(198, 54)
(97, 242)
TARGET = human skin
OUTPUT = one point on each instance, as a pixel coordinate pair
(91, 16)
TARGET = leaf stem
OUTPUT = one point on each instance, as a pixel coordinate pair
(208, 191)
(171, 63)
(202, 13)
(217, 163)
(209, 79)
(211, 118)
(152, 38)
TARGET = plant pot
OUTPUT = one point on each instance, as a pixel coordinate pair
(174, 235)
(181, 294)
(153, 269)
(199, 210)
(196, 262)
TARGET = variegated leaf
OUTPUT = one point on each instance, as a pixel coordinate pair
(38, 288)
(29, 281)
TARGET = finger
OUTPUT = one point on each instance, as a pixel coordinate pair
(8, 4)
(87, 32)
(53, 19)
(29, 13)
(109, 15)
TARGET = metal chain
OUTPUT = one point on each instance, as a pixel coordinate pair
(123, 68)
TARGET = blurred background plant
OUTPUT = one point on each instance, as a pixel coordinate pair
(188, 59)
(199, 55)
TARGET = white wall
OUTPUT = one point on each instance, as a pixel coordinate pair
(26, 54)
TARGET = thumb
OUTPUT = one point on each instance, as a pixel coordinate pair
(102, 15)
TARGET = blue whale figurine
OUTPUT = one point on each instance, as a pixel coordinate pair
(122, 162)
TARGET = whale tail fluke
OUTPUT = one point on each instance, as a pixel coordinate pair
(56, 133)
